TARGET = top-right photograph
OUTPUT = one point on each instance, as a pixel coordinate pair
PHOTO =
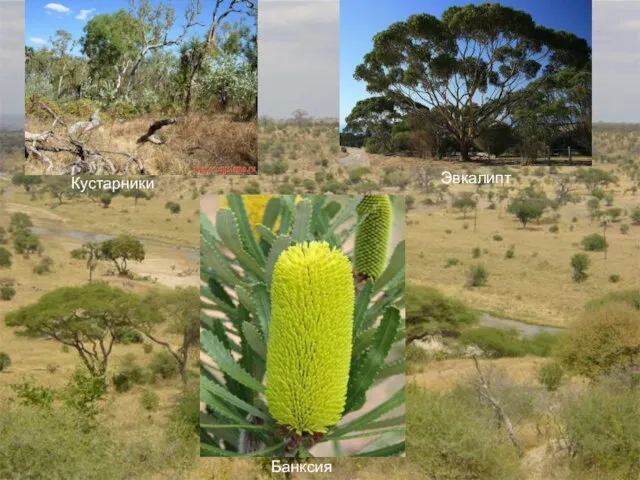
(441, 82)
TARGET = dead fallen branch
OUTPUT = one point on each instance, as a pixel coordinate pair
(153, 128)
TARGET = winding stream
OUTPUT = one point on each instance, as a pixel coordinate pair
(524, 329)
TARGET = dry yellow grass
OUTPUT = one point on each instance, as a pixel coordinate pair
(205, 144)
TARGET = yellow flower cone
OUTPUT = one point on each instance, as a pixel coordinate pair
(372, 236)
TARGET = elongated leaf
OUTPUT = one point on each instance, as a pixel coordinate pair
(362, 304)
(361, 422)
(212, 258)
(384, 451)
(225, 362)
(211, 451)
(230, 437)
(218, 391)
(395, 367)
(236, 204)
(266, 234)
(244, 297)
(367, 367)
(348, 211)
(221, 408)
(286, 217)
(263, 307)
(396, 264)
(254, 339)
(280, 245)
(271, 212)
(217, 302)
(372, 433)
(302, 225)
(230, 236)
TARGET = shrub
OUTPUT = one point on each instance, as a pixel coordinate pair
(286, 189)
(147, 347)
(149, 400)
(410, 202)
(580, 262)
(602, 340)
(614, 278)
(126, 337)
(635, 215)
(630, 297)
(475, 252)
(83, 392)
(604, 429)
(624, 229)
(457, 437)
(129, 374)
(7, 292)
(550, 375)
(554, 229)
(185, 413)
(30, 393)
(594, 242)
(5, 257)
(43, 266)
(451, 262)
(477, 276)
(5, 361)
(52, 367)
(494, 342)
(173, 207)
(511, 252)
(164, 365)
(497, 238)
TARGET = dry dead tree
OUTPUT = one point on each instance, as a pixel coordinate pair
(502, 415)
(88, 161)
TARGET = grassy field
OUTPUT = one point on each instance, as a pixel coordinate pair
(137, 434)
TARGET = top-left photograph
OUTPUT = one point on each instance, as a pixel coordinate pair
(141, 87)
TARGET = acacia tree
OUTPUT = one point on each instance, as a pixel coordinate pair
(179, 311)
(470, 66)
(92, 253)
(122, 249)
(88, 318)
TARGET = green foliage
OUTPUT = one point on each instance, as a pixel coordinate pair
(495, 139)
(629, 297)
(5, 257)
(594, 242)
(511, 252)
(372, 235)
(477, 276)
(580, 262)
(30, 393)
(5, 361)
(147, 347)
(476, 252)
(498, 343)
(604, 430)
(428, 311)
(122, 249)
(27, 181)
(530, 204)
(43, 266)
(164, 365)
(7, 292)
(551, 375)
(614, 278)
(173, 207)
(149, 400)
(457, 437)
(129, 373)
(604, 339)
(185, 413)
(238, 337)
(464, 204)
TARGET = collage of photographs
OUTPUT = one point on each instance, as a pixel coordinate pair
(245, 240)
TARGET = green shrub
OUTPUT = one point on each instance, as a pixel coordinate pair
(511, 252)
(475, 252)
(286, 189)
(149, 400)
(185, 414)
(5, 257)
(477, 276)
(603, 427)
(457, 437)
(5, 361)
(173, 207)
(147, 347)
(129, 373)
(550, 375)
(126, 337)
(554, 228)
(580, 262)
(594, 242)
(164, 365)
(32, 394)
(624, 229)
(630, 297)
(7, 292)
(83, 392)
(497, 238)
(43, 266)
(614, 278)
(496, 342)
(451, 262)
(410, 202)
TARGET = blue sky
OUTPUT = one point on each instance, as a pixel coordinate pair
(44, 17)
(360, 20)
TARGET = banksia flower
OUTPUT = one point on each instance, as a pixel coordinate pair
(310, 334)
(372, 235)
(255, 205)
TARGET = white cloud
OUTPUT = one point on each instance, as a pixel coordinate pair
(57, 7)
(85, 14)
(37, 40)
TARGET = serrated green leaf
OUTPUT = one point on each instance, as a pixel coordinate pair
(271, 212)
(388, 405)
(244, 297)
(389, 369)
(266, 234)
(280, 245)
(394, 267)
(213, 347)
(218, 391)
(253, 337)
(228, 230)
(286, 216)
(230, 437)
(302, 224)
(366, 368)
(212, 259)
(362, 304)
(217, 302)
(263, 307)
(236, 204)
